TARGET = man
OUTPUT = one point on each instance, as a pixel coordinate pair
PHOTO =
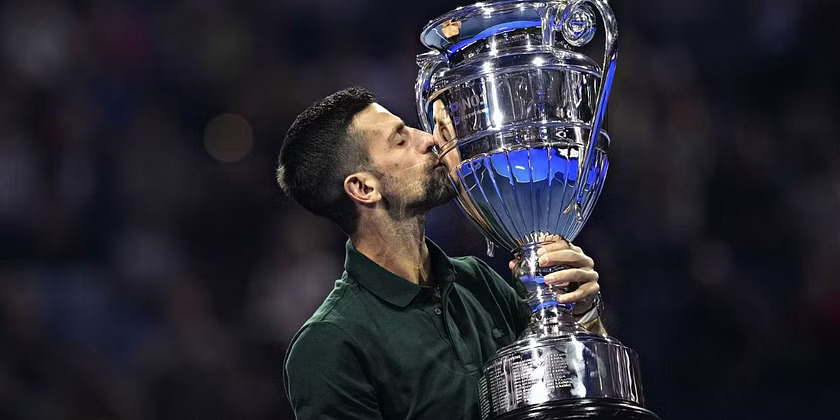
(406, 329)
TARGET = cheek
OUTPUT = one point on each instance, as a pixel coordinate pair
(397, 163)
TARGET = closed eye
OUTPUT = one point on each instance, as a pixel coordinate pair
(401, 135)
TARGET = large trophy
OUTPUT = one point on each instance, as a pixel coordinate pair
(520, 105)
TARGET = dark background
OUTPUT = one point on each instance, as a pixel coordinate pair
(151, 269)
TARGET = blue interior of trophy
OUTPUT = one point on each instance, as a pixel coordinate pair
(524, 192)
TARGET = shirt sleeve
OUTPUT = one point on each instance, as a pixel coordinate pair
(325, 378)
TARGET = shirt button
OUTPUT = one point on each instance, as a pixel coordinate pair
(437, 311)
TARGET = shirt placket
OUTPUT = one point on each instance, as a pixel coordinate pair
(451, 332)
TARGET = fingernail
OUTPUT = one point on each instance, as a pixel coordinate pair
(542, 260)
(540, 251)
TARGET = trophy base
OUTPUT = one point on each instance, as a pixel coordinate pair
(570, 376)
(588, 409)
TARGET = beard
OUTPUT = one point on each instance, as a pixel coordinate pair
(438, 190)
(405, 200)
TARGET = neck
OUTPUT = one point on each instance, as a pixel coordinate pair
(397, 246)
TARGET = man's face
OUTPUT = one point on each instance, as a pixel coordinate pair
(412, 179)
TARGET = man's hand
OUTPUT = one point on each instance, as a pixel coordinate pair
(581, 269)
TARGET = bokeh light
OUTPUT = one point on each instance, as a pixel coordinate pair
(228, 137)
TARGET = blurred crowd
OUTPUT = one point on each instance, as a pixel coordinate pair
(151, 269)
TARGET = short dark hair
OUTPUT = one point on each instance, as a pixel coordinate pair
(320, 150)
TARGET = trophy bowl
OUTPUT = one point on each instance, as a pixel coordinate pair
(520, 108)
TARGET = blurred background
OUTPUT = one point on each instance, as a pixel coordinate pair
(152, 269)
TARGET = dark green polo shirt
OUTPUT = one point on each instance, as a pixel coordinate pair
(383, 347)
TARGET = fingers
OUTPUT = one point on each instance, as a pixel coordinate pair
(585, 290)
(556, 244)
(567, 257)
(572, 275)
(586, 278)
(573, 257)
(556, 251)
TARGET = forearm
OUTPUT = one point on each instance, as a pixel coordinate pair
(591, 317)
(596, 327)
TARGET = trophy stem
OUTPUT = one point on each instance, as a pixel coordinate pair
(548, 316)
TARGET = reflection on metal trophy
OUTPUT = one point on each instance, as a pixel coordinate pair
(520, 106)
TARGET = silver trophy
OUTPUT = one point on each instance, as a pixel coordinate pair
(520, 107)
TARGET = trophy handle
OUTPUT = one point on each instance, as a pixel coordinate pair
(577, 25)
(429, 63)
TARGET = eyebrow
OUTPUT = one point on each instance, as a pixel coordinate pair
(395, 130)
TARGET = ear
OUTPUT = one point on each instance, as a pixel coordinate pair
(362, 187)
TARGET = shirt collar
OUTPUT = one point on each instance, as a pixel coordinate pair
(388, 286)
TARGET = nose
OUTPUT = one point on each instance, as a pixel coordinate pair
(425, 141)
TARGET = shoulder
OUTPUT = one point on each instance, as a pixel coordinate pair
(319, 350)
(334, 309)
(323, 371)
(316, 337)
(337, 319)
(329, 323)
